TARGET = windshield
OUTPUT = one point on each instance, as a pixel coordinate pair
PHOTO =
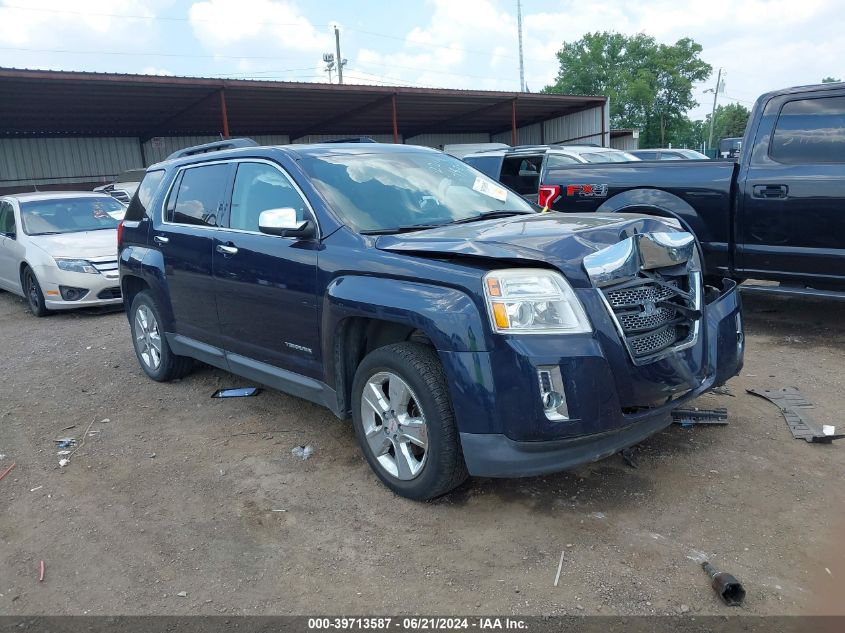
(608, 157)
(382, 191)
(70, 215)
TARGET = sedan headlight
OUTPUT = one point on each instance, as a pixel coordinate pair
(533, 301)
(76, 265)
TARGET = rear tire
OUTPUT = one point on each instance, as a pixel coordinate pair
(154, 354)
(32, 293)
(403, 418)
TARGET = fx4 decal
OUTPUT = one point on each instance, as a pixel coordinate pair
(587, 191)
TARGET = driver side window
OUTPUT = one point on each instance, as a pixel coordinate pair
(260, 187)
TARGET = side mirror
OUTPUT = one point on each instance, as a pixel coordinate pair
(283, 222)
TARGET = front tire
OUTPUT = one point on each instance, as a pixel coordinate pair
(154, 354)
(33, 294)
(404, 422)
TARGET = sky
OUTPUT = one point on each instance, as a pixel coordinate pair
(761, 45)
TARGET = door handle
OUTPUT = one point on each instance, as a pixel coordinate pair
(160, 239)
(227, 250)
(770, 191)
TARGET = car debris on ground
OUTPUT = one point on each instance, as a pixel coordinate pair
(729, 589)
(302, 452)
(236, 392)
(689, 417)
(793, 405)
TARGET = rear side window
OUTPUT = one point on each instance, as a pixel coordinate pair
(810, 131)
(144, 196)
(196, 198)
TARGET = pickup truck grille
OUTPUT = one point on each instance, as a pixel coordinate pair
(655, 312)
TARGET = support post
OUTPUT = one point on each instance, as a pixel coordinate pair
(395, 120)
(514, 136)
(224, 113)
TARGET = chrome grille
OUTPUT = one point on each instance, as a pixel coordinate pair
(106, 266)
(636, 321)
(649, 344)
(645, 313)
(637, 296)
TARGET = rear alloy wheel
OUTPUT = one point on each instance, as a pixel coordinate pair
(404, 422)
(34, 296)
(154, 354)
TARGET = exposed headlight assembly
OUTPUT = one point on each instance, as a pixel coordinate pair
(76, 265)
(533, 301)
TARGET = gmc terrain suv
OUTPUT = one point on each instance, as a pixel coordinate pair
(461, 330)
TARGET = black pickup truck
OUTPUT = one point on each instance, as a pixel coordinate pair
(778, 213)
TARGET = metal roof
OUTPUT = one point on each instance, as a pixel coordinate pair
(43, 102)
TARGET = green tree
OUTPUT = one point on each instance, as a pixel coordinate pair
(731, 120)
(830, 80)
(649, 84)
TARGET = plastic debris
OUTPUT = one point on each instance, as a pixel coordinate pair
(302, 452)
(236, 392)
(559, 567)
(8, 470)
(730, 590)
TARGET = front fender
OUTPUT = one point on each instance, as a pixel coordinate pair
(447, 316)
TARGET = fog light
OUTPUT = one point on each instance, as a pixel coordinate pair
(552, 393)
(72, 294)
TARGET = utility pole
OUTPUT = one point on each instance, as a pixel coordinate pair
(339, 58)
(519, 28)
(713, 113)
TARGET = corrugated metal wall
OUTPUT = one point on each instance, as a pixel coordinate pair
(580, 127)
(159, 148)
(439, 140)
(627, 142)
(55, 161)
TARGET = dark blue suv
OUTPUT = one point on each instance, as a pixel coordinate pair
(462, 331)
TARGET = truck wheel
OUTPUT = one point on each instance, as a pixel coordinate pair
(154, 354)
(33, 294)
(403, 418)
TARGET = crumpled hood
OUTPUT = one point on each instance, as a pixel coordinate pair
(559, 239)
(84, 245)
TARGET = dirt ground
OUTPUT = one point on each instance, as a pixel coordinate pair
(181, 504)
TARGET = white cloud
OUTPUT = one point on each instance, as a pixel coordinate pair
(222, 25)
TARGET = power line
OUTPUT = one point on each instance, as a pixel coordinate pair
(250, 21)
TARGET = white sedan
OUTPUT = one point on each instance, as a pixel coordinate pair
(59, 250)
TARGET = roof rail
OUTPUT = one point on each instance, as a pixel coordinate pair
(231, 143)
(353, 139)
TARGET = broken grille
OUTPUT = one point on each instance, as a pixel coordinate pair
(655, 312)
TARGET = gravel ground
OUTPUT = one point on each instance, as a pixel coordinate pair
(180, 504)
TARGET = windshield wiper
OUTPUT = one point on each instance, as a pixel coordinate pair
(490, 216)
(409, 228)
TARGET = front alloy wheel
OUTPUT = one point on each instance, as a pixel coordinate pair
(403, 418)
(394, 425)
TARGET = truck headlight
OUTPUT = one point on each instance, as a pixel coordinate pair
(76, 265)
(533, 301)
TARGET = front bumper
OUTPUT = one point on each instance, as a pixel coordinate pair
(103, 290)
(597, 383)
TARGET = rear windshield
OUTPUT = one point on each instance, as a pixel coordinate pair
(386, 190)
(70, 215)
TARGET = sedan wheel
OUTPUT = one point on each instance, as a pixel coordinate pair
(148, 338)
